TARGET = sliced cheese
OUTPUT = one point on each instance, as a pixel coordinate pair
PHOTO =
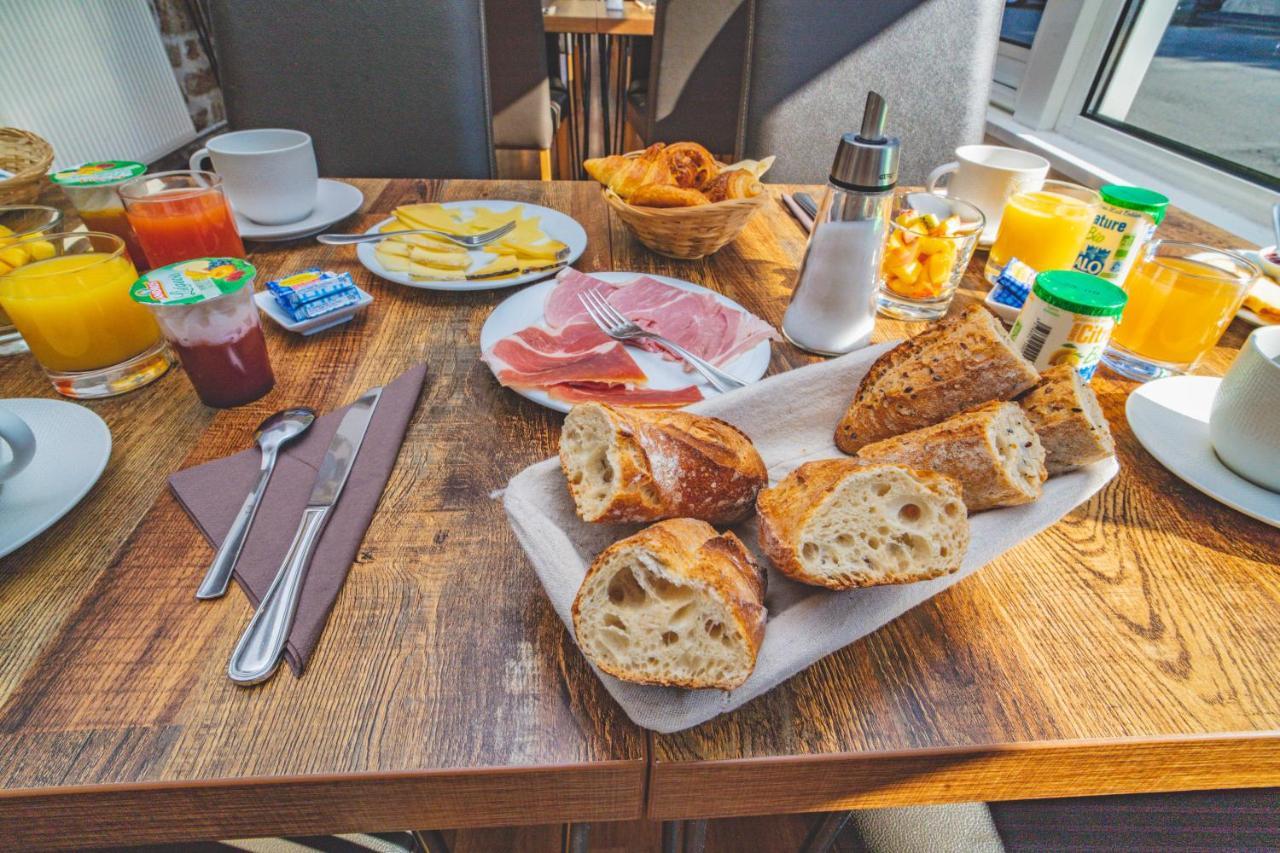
(502, 266)
(392, 246)
(444, 260)
(392, 263)
(422, 272)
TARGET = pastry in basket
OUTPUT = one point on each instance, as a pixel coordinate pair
(626, 464)
(676, 604)
(683, 174)
(961, 362)
(840, 524)
(1067, 417)
(992, 451)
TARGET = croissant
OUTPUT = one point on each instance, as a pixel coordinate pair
(691, 165)
(664, 195)
(737, 183)
(624, 175)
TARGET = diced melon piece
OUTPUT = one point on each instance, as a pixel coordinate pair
(907, 272)
(41, 250)
(930, 221)
(14, 256)
(938, 268)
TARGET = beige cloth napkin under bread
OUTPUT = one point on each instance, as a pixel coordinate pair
(791, 418)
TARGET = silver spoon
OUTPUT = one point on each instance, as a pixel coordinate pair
(272, 434)
(470, 241)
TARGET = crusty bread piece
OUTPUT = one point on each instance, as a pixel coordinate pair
(992, 451)
(627, 464)
(839, 523)
(1067, 417)
(676, 604)
(961, 362)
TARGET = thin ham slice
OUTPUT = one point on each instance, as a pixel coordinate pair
(518, 365)
(642, 397)
(563, 306)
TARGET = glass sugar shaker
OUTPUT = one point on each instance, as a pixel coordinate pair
(833, 306)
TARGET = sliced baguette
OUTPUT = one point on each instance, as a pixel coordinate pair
(961, 362)
(676, 604)
(628, 464)
(992, 451)
(1067, 417)
(841, 524)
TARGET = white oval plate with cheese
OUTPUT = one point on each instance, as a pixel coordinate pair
(553, 223)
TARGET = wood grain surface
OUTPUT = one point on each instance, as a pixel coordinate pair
(442, 658)
(591, 16)
(1128, 648)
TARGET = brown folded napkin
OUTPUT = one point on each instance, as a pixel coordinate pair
(213, 492)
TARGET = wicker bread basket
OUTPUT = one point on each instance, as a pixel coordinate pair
(29, 158)
(687, 232)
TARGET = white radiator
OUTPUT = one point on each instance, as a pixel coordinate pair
(91, 77)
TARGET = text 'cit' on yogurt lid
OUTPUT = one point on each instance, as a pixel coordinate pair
(191, 282)
(101, 173)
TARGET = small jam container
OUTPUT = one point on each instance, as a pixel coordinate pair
(206, 311)
(1125, 223)
(1067, 319)
(92, 189)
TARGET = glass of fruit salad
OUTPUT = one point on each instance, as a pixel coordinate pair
(19, 222)
(928, 244)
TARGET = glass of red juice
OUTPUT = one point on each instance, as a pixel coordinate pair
(206, 311)
(180, 216)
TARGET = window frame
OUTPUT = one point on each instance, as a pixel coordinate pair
(1047, 108)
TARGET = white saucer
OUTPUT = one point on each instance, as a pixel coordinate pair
(335, 201)
(1170, 417)
(266, 303)
(72, 448)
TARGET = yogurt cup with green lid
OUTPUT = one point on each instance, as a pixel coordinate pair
(1067, 319)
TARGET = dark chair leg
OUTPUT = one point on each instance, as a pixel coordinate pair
(432, 840)
(579, 837)
(824, 832)
(671, 831)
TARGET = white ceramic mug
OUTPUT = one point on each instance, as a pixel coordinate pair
(270, 174)
(986, 175)
(22, 444)
(1243, 423)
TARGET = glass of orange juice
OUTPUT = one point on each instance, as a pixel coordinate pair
(1182, 297)
(1044, 228)
(74, 310)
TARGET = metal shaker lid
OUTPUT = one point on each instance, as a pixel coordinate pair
(868, 160)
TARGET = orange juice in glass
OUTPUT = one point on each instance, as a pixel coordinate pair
(74, 311)
(1044, 228)
(1182, 297)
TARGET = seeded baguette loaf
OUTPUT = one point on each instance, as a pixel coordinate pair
(841, 524)
(676, 604)
(992, 451)
(1067, 417)
(961, 362)
(626, 464)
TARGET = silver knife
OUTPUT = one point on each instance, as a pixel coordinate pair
(807, 204)
(258, 653)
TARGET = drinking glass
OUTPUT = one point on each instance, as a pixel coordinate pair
(181, 215)
(929, 242)
(1182, 297)
(74, 310)
(17, 223)
(1044, 228)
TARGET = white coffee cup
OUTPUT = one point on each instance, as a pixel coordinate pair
(1243, 425)
(986, 175)
(270, 174)
(22, 444)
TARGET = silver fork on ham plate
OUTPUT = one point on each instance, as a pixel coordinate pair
(618, 327)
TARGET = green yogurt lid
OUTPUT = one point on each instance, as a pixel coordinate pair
(1080, 293)
(1136, 198)
(189, 282)
(102, 173)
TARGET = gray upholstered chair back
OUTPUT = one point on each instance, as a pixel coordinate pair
(393, 88)
(696, 72)
(810, 66)
(521, 93)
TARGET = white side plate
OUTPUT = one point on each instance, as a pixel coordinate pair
(72, 448)
(525, 309)
(554, 224)
(1170, 417)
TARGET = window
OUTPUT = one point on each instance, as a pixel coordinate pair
(1202, 82)
(1021, 18)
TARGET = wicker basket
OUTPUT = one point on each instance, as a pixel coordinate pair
(687, 232)
(29, 158)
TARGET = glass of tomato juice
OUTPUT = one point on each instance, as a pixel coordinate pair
(181, 215)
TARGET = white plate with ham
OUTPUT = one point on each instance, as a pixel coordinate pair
(541, 343)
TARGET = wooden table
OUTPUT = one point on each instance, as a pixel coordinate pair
(591, 16)
(1128, 648)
